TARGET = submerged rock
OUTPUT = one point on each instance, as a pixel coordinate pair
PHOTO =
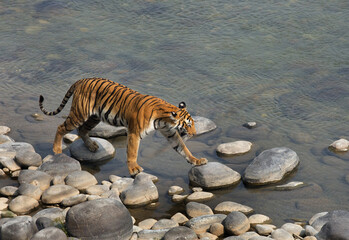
(341, 145)
(213, 175)
(271, 166)
(79, 150)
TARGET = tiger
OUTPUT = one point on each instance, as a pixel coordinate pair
(99, 99)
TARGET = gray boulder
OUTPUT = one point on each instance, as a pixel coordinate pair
(104, 130)
(180, 233)
(18, 228)
(142, 192)
(203, 125)
(34, 177)
(334, 225)
(99, 219)
(17, 146)
(79, 150)
(213, 175)
(271, 166)
(23, 204)
(55, 214)
(30, 190)
(236, 223)
(60, 165)
(50, 233)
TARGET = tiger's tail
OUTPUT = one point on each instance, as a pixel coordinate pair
(63, 103)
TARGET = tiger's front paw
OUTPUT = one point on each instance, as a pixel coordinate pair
(57, 150)
(197, 161)
(93, 146)
(134, 169)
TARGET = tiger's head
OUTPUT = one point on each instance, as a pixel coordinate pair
(182, 121)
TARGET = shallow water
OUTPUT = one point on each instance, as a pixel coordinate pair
(281, 64)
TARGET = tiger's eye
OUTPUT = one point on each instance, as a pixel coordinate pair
(174, 114)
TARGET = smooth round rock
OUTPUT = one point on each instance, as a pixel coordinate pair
(233, 148)
(30, 191)
(9, 191)
(122, 184)
(341, 145)
(55, 214)
(97, 189)
(194, 209)
(80, 180)
(99, 219)
(281, 234)
(50, 233)
(294, 229)
(180, 218)
(18, 228)
(236, 223)
(5, 139)
(56, 194)
(180, 232)
(203, 125)
(217, 229)
(71, 201)
(202, 224)
(147, 223)
(199, 196)
(264, 229)
(60, 165)
(164, 224)
(179, 198)
(271, 166)
(18, 146)
(213, 175)
(258, 219)
(227, 207)
(23, 204)
(79, 150)
(336, 225)
(70, 137)
(175, 190)
(28, 158)
(4, 130)
(104, 130)
(35, 177)
(142, 192)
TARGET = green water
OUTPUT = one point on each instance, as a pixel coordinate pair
(283, 64)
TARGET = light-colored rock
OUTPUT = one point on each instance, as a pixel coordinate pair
(335, 225)
(70, 137)
(23, 204)
(15, 174)
(17, 146)
(341, 145)
(199, 196)
(74, 200)
(113, 178)
(202, 224)
(310, 231)
(4, 130)
(281, 234)
(290, 186)
(227, 207)
(217, 229)
(264, 229)
(28, 158)
(203, 125)
(271, 166)
(93, 197)
(207, 236)
(259, 219)
(56, 194)
(177, 233)
(79, 150)
(197, 189)
(9, 163)
(30, 191)
(294, 229)
(194, 209)
(122, 184)
(80, 180)
(5, 139)
(104, 130)
(55, 214)
(175, 190)
(233, 148)
(142, 191)
(97, 189)
(236, 223)
(113, 193)
(147, 223)
(164, 224)
(35, 177)
(106, 183)
(3, 203)
(9, 191)
(61, 165)
(180, 218)
(152, 234)
(179, 198)
(213, 175)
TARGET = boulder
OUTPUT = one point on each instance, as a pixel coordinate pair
(213, 175)
(271, 166)
(203, 125)
(142, 192)
(79, 150)
(18, 228)
(99, 219)
(334, 225)
(60, 165)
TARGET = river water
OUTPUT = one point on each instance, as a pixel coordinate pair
(283, 64)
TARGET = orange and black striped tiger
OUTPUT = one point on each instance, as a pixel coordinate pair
(97, 99)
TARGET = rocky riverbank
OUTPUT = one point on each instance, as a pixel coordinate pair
(75, 206)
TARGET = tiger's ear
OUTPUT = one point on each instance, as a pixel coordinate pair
(182, 105)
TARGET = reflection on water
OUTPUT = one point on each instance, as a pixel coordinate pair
(281, 64)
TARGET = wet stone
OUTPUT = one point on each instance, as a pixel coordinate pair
(203, 125)
(60, 165)
(50, 233)
(293, 229)
(334, 225)
(3, 203)
(194, 209)
(228, 207)
(28, 158)
(290, 186)
(233, 148)
(164, 224)
(23, 204)
(30, 191)
(236, 223)
(43, 222)
(217, 229)
(258, 219)
(104, 130)
(79, 150)
(179, 198)
(9, 163)
(5, 139)
(56, 193)
(122, 184)
(17, 146)
(152, 234)
(70, 137)
(264, 229)
(341, 145)
(80, 180)
(113, 178)
(35, 177)
(4, 130)
(175, 190)
(199, 196)
(213, 175)
(271, 166)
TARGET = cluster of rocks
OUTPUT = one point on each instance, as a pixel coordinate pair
(74, 204)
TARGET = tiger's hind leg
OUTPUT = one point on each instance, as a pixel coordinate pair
(85, 128)
(68, 126)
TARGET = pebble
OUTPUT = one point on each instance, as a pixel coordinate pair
(199, 196)
(23, 204)
(97, 189)
(9, 162)
(250, 125)
(179, 198)
(147, 223)
(180, 218)
(5, 139)
(164, 224)
(56, 194)
(341, 145)
(3, 203)
(194, 209)
(79, 150)
(30, 191)
(80, 180)
(259, 219)
(213, 175)
(180, 232)
(175, 190)
(4, 130)
(37, 178)
(114, 178)
(106, 183)
(233, 148)
(290, 186)
(9, 191)
(236, 223)
(281, 234)
(293, 229)
(217, 229)
(70, 137)
(228, 206)
(28, 158)
(271, 166)
(264, 229)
